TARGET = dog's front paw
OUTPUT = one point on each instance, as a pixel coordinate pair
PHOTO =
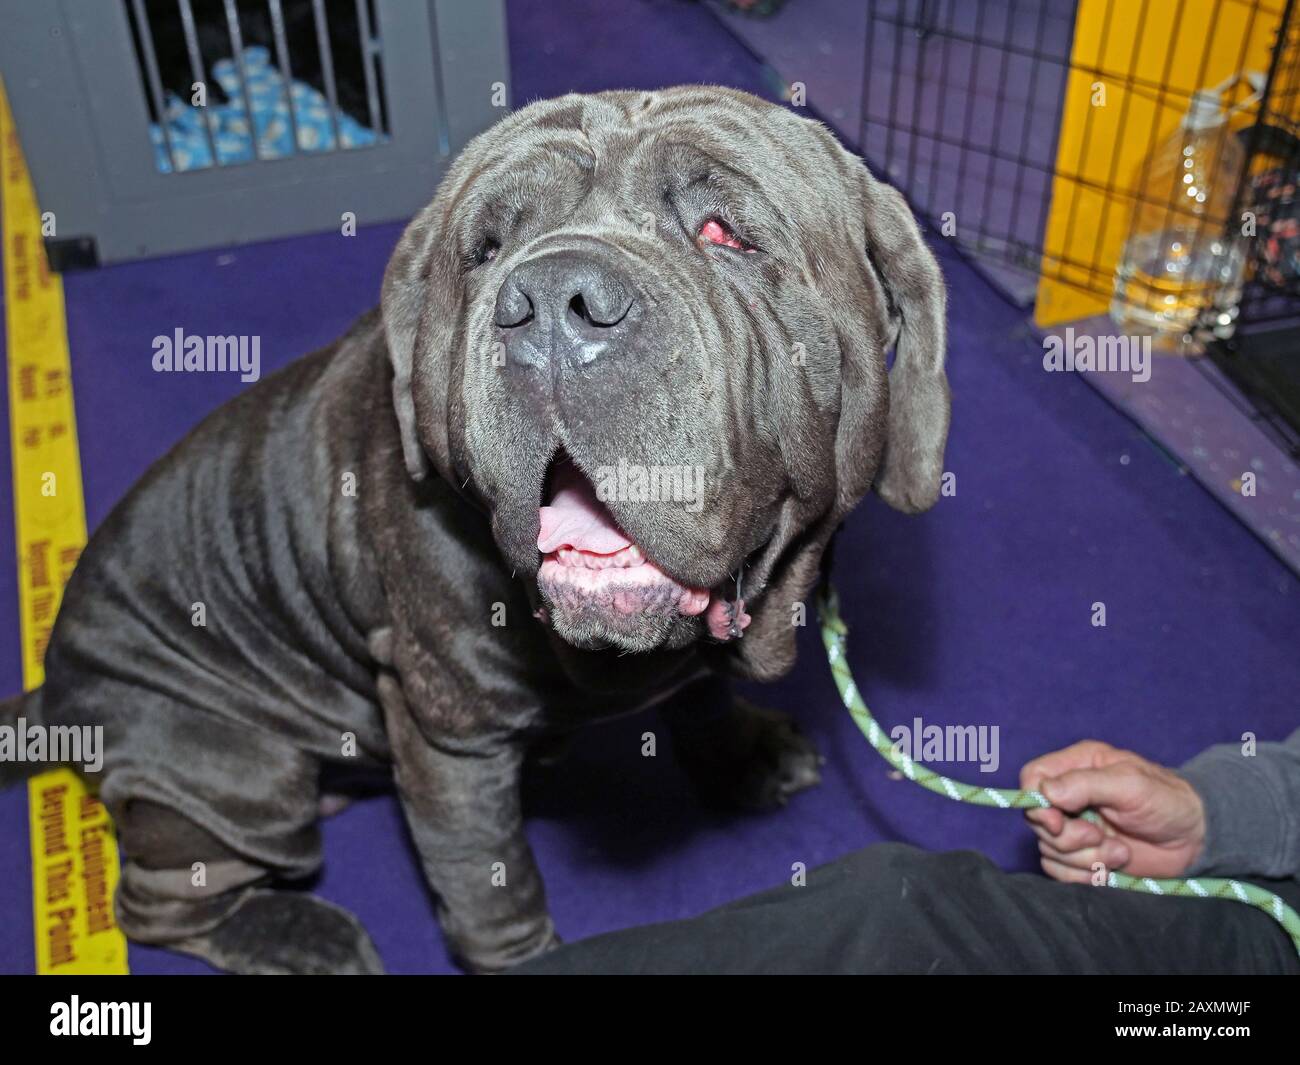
(485, 959)
(749, 759)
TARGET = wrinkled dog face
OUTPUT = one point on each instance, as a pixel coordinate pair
(647, 331)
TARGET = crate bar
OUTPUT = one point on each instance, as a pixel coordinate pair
(868, 51)
(919, 44)
(1113, 173)
(237, 46)
(198, 72)
(1152, 141)
(1086, 140)
(368, 65)
(984, 234)
(152, 76)
(1251, 152)
(968, 119)
(941, 104)
(1267, 302)
(1074, 176)
(893, 97)
(1243, 177)
(286, 69)
(327, 66)
(1131, 80)
(998, 114)
(1069, 174)
(1045, 202)
(1203, 223)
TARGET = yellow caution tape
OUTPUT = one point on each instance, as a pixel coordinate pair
(74, 852)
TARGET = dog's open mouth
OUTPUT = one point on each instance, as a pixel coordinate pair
(590, 566)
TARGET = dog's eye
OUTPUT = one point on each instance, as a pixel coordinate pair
(484, 253)
(716, 231)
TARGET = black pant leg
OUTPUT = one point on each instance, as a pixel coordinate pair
(892, 908)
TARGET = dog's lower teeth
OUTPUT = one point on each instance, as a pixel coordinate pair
(627, 558)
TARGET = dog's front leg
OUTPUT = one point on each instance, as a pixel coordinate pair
(739, 756)
(462, 803)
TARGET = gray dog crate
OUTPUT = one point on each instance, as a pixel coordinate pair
(160, 126)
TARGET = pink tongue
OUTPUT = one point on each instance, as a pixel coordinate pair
(576, 518)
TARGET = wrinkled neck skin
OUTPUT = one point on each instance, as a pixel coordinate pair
(439, 564)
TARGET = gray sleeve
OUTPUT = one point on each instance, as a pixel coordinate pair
(1252, 809)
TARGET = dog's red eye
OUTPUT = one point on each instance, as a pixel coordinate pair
(715, 231)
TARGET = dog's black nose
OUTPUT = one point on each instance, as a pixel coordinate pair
(565, 306)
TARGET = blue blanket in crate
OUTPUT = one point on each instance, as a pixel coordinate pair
(270, 104)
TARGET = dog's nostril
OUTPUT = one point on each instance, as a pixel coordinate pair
(578, 306)
(514, 308)
(603, 309)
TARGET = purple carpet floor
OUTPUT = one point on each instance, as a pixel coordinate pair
(978, 612)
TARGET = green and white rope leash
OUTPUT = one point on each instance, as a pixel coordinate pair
(835, 637)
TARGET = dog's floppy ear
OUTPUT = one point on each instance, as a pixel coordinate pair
(421, 304)
(912, 469)
(409, 298)
(900, 284)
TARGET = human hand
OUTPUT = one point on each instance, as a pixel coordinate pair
(1153, 822)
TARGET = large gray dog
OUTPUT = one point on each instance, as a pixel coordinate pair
(628, 376)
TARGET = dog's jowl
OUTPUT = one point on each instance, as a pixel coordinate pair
(627, 376)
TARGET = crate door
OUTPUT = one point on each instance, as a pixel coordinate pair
(357, 107)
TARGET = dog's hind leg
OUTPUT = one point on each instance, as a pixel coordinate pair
(183, 889)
